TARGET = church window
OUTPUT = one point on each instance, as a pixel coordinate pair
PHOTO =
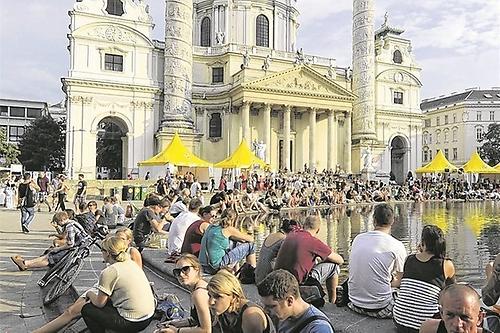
(430, 138)
(17, 111)
(445, 136)
(455, 153)
(262, 31)
(446, 152)
(218, 75)
(427, 123)
(113, 62)
(492, 115)
(438, 121)
(397, 57)
(215, 126)
(115, 7)
(426, 138)
(16, 133)
(426, 155)
(479, 133)
(398, 97)
(438, 137)
(454, 118)
(454, 135)
(205, 32)
(4, 110)
(446, 119)
(34, 113)
(479, 116)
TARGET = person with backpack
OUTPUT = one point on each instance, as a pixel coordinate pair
(280, 295)
(27, 201)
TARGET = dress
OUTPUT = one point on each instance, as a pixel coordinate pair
(419, 291)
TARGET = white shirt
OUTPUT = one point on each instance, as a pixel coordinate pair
(178, 230)
(375, 255)
(195, 187)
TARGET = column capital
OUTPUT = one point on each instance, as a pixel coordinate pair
(347, 114)
(288, 108)
(246, 103)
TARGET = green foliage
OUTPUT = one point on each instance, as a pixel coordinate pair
(490, 150)
(8, 151)
(43, 145)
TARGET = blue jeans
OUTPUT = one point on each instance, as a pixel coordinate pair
(27, 216)
(238, 253)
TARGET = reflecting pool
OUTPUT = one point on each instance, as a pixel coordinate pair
(472, 230)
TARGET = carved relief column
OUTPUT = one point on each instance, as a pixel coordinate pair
(347, 149)
(312, 135)
(178, 70)
(245, 120)
(331, 142)
(286, 136)
(267, 131)
(363, 75)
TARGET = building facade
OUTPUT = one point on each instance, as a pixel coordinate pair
(249, 80)
(456, 123)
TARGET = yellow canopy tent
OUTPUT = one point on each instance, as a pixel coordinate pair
(497, 167)
(438, 164)
(176, 154)
(242, 158)
(477, 165)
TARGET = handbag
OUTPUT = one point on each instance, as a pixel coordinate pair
(246, 274)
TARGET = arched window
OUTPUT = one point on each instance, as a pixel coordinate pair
(115, 7)
(205, 32)
(262, 31)
(479, 133)
(397, 57)
(215, 126)
(455, 135)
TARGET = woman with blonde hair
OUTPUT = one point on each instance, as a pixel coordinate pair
(127, 235)
(188, 272)
(215, 251)
(125, 301)
(234, 312)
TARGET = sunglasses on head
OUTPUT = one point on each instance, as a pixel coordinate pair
(184, 269)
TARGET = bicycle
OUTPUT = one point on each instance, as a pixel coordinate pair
(66, 270)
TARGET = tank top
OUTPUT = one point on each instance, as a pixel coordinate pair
(213, 246)
(266, 255)
(419, 291)
(231, 322)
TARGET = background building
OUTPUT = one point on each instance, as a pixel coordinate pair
(456, 123)
(247, 79)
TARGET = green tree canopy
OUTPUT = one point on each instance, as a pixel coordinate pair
(490, 150)
(43, 145)
(8, 151)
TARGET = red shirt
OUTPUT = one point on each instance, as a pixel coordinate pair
(298, 253)
(192, 239)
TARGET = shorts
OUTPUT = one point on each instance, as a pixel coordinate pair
(54, 258)
(79, 199)
(324, 271)
(42, 197)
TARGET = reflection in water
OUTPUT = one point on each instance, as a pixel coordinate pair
(472, 230)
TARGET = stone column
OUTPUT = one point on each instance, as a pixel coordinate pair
(312, 135)
(245, 121)
(331, 147)
(347, 149)
(267, 131)
(286, 136)
(178, 69)
(363, 75)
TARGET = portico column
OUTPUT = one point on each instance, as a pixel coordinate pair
(286, 136)
(312, 135)
(331, 144)
(267, 131)
(245, 120)
(347, 151)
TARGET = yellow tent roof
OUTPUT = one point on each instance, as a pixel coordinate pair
(477, 165)
(242, 158)
(497, 166)
(438, 164)
(177, 154)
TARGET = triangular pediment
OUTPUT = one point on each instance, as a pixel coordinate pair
(301, 80)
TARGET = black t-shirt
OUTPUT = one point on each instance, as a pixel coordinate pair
(80, 186)
(27, 193)
(216, 198)
(142, 225)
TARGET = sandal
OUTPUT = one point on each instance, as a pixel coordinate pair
(18, 260)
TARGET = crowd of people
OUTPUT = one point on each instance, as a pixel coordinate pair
(203, 238)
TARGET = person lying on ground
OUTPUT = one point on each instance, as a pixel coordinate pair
(188, 272)
(74, 235)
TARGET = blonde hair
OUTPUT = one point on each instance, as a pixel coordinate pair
(224, 282)
(126, 231)
(116, 248)
(192, 260)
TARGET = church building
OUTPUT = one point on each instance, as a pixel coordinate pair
(227, 71)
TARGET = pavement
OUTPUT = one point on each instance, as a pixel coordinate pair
(22, 310)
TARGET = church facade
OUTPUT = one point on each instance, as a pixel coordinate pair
(249, 81)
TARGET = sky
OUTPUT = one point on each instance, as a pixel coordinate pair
(455, 42)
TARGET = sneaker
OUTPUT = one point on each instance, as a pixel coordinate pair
(19, 261)
(25, 229)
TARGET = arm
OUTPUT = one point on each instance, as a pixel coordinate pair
(200, 300)
(253, 321)
(449, 271)
(235, 234)
(396, 280)
(98, 300)
(157, 225)
(429, 326)
(136, 257)
(335, 258)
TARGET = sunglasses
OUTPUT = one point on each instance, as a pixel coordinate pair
(184, 269)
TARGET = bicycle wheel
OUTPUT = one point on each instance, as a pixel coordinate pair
(49, 275)
(63, 280)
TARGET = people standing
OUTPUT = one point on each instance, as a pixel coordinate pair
(61, 191)
(43, 183)
(375, 266)
(26, 201)
(10, 193)
(81, 191)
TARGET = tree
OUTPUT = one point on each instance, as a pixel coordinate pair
(8, 151)
(43, 144)
(490, 150)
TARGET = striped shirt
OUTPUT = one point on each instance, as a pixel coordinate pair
(419, 291)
